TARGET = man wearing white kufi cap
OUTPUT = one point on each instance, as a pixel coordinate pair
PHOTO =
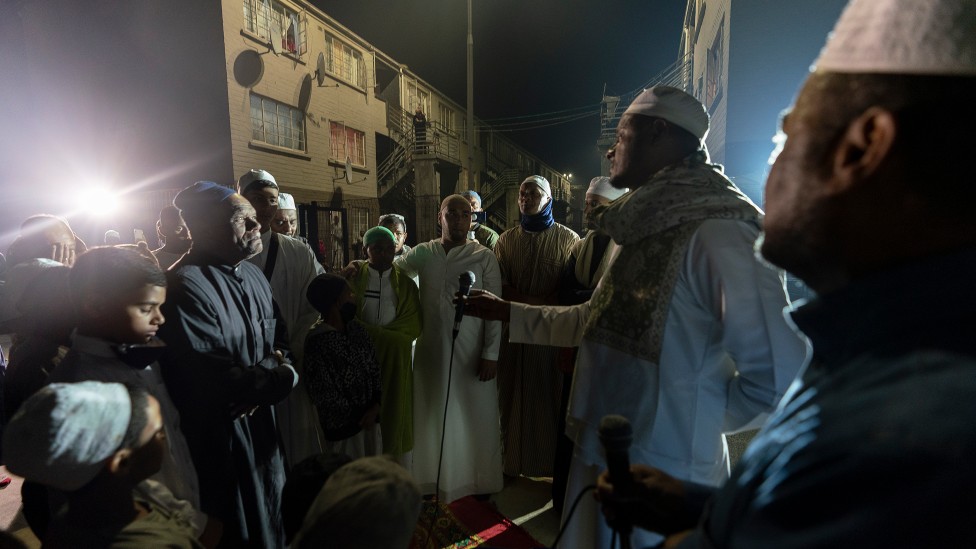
(286, 219)
(531, 258)
(870, 203)
(684, 333)
(588, 259)
(98, 443)
(289, 266)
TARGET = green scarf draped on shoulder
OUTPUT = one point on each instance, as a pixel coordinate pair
(394, 350)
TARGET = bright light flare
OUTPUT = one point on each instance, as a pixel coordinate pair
(98, 201)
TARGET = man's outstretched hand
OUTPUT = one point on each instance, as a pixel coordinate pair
(655, 501)
(486, 305)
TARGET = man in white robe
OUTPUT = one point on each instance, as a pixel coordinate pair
(685, 334)
(293, 268)
(472, 461)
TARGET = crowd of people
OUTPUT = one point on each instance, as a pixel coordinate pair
(227, 390)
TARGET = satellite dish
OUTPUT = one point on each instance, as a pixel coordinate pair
(305, 95)
(276, 39)
(320, 68)
(248, 68)
(348, 170)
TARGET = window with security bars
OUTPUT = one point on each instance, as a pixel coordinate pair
(344, 61)
(263, 16)
(347, 142)
(277, 124)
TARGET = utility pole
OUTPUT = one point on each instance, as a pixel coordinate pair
(470, 101)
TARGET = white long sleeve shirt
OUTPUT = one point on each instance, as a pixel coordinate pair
(727, 358)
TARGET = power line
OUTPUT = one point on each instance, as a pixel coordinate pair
(541, 114)
(579, 117)
(544, 120)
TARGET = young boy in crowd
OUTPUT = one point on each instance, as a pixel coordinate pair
(116, 293)
(342, 374)
(96, 442)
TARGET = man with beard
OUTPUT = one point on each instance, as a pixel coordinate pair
(397, 225)
(531, 257)
(175, 236)
(289, 266)
(472, 454)
(870, 203)
(684, 334)
(221, 370)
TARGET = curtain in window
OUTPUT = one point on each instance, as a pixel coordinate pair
(338, 140)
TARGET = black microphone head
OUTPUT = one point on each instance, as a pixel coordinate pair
(615, 433)
(466, 279)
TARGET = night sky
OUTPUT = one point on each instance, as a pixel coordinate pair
(530, 57)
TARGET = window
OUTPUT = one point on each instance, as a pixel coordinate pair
(277, 124)
(348, 142)
(262, 17)
(713, 68)
(418, 98)
(446, 117)
(344, 62)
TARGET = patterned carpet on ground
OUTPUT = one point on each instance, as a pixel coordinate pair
(467, 523)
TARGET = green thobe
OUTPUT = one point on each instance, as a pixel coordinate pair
(394, 350)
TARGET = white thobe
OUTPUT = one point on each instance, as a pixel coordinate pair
(728, 356)
(472, 449)
(294, 269)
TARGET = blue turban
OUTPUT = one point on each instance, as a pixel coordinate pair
(466, 194)
(201, 196)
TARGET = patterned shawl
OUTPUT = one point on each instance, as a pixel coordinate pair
(652, 227)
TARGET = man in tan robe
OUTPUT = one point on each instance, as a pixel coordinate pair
(532, 258)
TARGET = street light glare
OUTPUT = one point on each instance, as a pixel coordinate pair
(98, 201)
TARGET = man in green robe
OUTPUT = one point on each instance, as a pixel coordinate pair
(388, 305)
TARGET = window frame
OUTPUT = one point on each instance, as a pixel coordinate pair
(356, 76)
(282, 16)
(337, 128)
(294, 115)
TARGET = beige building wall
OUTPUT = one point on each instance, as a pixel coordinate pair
(706, 30)
(311, 174)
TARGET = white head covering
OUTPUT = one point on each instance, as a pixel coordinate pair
(112, 232)
(371, 502)
(673, 105)
(542, 182)
(254, 175)
(286, 202)
(601, 186)
(936, 37)
(62, 434)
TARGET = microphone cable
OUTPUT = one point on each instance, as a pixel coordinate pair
(572, 510)
(440, 459)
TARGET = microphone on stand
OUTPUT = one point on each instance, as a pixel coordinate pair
(615, 437)
(466, 280)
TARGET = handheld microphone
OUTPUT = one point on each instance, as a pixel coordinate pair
(466, 280)
(615, 437)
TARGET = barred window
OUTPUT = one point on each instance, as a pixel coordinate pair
(347, 142)
(277, 124)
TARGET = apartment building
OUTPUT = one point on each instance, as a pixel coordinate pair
(148, 97)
